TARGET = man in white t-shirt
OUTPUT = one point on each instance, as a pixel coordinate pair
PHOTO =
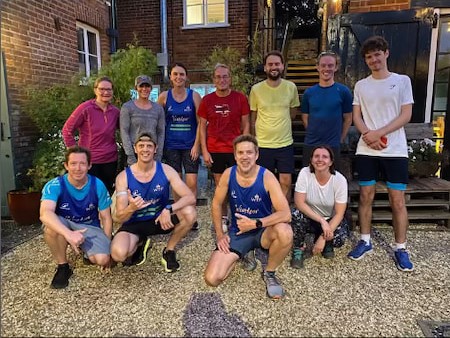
(382, 105)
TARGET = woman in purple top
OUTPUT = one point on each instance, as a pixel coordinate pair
(96, 122)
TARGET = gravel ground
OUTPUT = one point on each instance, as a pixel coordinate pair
(335, 297)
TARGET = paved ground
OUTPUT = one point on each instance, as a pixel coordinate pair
(327, 298)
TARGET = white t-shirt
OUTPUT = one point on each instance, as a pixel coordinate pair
(381, 102)
(321, 198)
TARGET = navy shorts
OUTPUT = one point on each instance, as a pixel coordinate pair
(147, 228)
(279, 160)
(392, 170)
(243, 243)
(222, 161)
(95, 240)
(177, 158)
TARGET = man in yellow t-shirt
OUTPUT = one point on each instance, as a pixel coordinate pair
(274, 103)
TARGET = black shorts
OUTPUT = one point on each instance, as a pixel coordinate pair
(177, 158)
(222, 161)
(392, 170)
(281, 159)
(147, 228)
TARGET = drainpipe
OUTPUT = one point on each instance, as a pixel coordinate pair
(250, 24)
(164, 55)
(112, 30)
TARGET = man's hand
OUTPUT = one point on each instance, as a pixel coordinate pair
(164, 220)
(75, 239)
(244, 223)
(136, 203)
(373, 140)
(207, 158)
(223, 243)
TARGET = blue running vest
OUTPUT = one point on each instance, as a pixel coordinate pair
(181, 122)
(83, 211)
(253, 201)
(156, 192)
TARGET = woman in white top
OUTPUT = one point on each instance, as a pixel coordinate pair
(320, 200)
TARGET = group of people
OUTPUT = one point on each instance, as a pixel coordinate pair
(248, 146)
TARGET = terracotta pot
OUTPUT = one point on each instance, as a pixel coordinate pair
(24, 206)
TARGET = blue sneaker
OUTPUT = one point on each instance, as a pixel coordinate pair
(360, 250)
(402, 260)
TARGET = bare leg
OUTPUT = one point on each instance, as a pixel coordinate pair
(278, 239)
(399, 214)
(366, 196)
(191, 182)
(187, 217)
(225, 203)
(219, 267)
(123, 245)
(57, 245)
(285, 182)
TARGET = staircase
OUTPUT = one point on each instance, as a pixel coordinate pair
(304, 75)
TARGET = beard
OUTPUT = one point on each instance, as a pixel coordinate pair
(273, 77)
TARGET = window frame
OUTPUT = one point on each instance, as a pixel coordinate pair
(86, 28)
(204, 17)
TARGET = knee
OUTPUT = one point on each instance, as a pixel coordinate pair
(397, 204)
(118, 253)
(189, 215)
(284, 233)
(211, 279)
(366, 197)
(100, 259)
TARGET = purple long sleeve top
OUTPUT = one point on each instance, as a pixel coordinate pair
(96, 129)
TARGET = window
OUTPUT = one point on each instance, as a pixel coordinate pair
(89, 60)
(203, 88)
(205, 13)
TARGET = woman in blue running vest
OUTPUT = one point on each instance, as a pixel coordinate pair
(182, 141)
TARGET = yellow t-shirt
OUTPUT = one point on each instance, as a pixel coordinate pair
(273, 124)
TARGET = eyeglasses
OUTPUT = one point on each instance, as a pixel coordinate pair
(218, 77)
(108, 90)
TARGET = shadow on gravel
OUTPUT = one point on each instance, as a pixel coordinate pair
(205, 316)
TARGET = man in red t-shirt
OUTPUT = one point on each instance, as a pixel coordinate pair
(224, 115)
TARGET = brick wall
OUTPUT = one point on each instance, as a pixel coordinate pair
(189, 46)
(39, 54)
(377, 5)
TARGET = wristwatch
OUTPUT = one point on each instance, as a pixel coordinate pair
(258, 223)
(169, 207)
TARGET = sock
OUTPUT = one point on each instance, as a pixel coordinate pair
(366, 238)
(270, 273)
(400, 246)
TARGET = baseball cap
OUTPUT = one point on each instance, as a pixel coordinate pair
(145, 137)
(141, 79)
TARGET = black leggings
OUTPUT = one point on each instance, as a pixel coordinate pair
(106, 172)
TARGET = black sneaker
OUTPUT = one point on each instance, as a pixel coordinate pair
(169, 261)
(195, 226)
(328, 250)
(62, 275)
(140, 255)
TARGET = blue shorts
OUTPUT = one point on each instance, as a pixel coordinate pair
(243, 243)
(95, 240)
(281, 159)
(147, 228)
(393, 170)
(177, 158)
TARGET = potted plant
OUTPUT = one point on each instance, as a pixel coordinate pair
(48, 161)
(424, 160)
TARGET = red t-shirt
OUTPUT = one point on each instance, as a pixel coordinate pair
(224, 119)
